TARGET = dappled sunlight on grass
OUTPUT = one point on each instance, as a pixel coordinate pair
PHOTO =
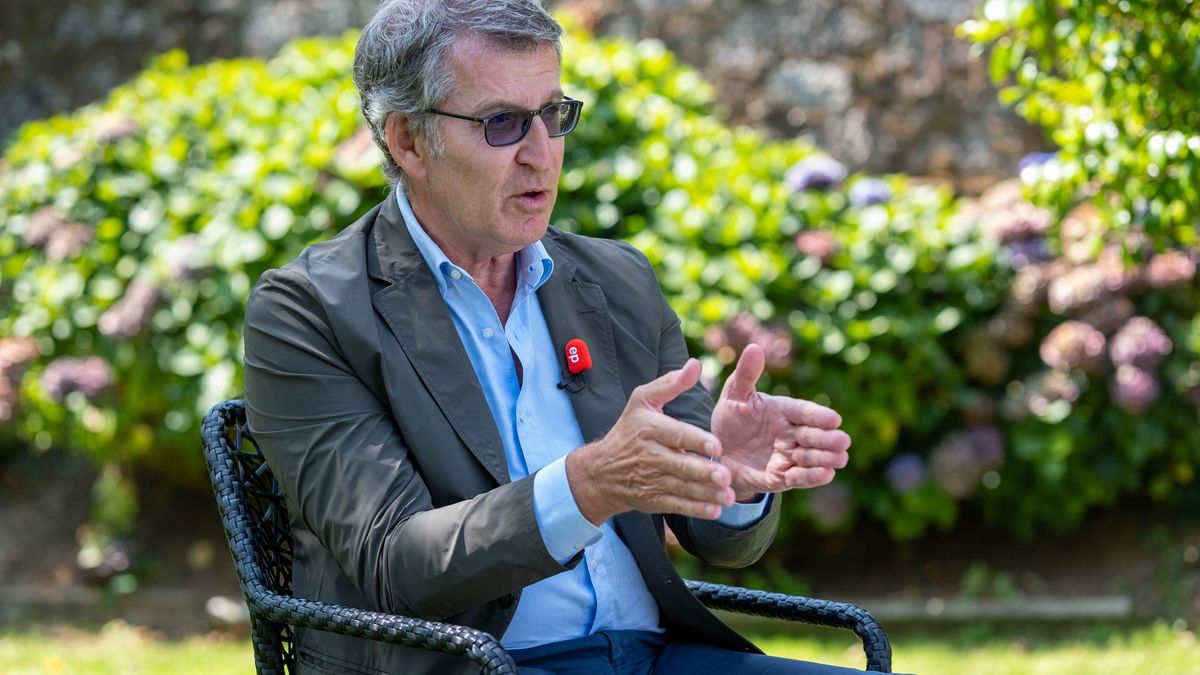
(985, 650)
(120, 649)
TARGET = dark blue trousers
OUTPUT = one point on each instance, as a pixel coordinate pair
(627, 652)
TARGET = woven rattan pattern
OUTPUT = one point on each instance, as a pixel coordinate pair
(257, 529)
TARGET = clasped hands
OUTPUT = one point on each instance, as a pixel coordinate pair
(759, 443)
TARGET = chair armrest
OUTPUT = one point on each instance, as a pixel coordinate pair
(806, 610)
(470, 643)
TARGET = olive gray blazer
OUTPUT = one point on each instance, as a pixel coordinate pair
(361, 396)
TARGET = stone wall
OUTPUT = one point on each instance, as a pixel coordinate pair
(883, 85)
(57, 55)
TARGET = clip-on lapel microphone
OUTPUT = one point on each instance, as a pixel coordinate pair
(579, 361)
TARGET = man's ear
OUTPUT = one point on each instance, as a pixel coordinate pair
(408, 154)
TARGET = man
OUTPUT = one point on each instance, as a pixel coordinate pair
(408, 383)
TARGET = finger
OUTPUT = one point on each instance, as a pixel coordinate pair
(807, 477)
(687, 507)
(696, 491)
(824, 439)
(678, 435)
(742, 384)
(816, 457)
(659, 392)
(690, 467)
(759, 481)
(806, 413)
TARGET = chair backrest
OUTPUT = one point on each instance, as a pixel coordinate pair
(258, 532)
(256, 523)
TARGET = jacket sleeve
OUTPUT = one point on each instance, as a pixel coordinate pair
(351, 480)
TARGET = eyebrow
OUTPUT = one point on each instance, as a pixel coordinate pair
(486, 109)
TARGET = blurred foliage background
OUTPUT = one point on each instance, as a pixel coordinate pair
(1027, 355)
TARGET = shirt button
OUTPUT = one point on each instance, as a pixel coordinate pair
(456, 275)
(488, 333)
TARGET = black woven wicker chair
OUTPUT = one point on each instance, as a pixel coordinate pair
(256, 526)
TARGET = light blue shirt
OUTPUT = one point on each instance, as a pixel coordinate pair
(538, 427)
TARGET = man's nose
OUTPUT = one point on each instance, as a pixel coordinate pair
(535, 149)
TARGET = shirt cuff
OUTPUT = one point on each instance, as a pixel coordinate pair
(741, 516)
(564, 529)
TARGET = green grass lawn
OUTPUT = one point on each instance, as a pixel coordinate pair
(992, 650)
(120, 649)
(981, 650)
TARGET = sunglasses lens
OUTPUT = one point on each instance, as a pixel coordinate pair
(506, 128)
(560, 118)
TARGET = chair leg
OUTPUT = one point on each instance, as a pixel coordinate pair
(268, 650)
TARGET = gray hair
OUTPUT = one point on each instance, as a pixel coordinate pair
(402, 60)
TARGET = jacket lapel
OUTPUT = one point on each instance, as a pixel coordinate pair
(577, 309)
(416, 313)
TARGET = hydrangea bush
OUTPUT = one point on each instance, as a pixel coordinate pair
(1114, 85)
(1105, 249)
(132, 231)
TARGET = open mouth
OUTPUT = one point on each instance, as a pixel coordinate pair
(533, 198)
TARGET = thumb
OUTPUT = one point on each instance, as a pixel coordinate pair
(659, 392)
(742, 384)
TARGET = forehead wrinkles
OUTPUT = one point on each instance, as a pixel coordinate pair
(491, 73)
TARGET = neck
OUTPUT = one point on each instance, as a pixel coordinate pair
(497, 277)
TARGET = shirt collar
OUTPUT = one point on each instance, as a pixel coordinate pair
(534, 265)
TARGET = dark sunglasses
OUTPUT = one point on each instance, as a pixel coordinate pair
(510, 126)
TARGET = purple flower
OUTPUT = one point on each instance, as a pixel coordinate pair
(127, 316)
(905, 472)
(68, 241)
(1011, 327)
(1109, 314)
(815, 172)
(1170, 268)
(15, 350)
(954, 467)
(1016, 220)
(1045, 389)
(743, 329)
(14, 353)
(961, 459)
(868, 191)
(1081, 286)
(777, 347)
(817, 243)
(65, 375)
(1035, 159)
(1133, 389)
(1141, 343)
(1073, 344)
(988, 443)
(1027, 251)
(42, 225)
(830, 505)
